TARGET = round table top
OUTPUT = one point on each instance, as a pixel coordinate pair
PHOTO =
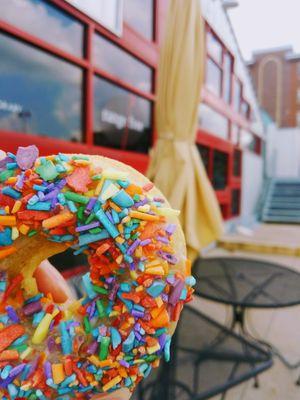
(246, 282)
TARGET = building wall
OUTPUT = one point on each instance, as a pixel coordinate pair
(276, 77)
(283, 152)
(252, 183)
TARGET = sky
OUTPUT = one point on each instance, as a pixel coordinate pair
(261, 24)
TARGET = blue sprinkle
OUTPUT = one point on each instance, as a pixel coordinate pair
(123, 199)
(11, 165)
(112, 230)
(156, 288)
(40, 188)
(90, 238)
(129, 342)
(86, 280)
(190, 280)
(37, 318)
(115, 337)
(40, 206)
(5, 237)
(66, 341)
(9, 191)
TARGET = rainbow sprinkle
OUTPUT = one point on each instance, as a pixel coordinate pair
(119, 331)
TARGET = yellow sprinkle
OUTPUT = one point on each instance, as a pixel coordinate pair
(167, 212)
(94, 360)
(119, 259)
(114, 174)
(29, 285)
(14, 233)
(57, 220)
(58, 373)
(155, 271)
(143, 216)
(42, 329)
(159, 301)
(16, 207)
(139, 288)
(112, 383)
(99, 186)
(133, 275)
(153, 349)
(119, 239)
(24, 229)
(26, 353)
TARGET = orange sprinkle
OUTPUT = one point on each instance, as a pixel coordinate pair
(9, 335)
(9, 355)
(24, 229)
(8, 220)
(57, 220)
(143, 216)
(7, 251)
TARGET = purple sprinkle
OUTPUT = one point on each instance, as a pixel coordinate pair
(12, 314)
(145, 242)
(176, 292)
(61, 183)
(164, 297)
(51, 344)
(50, 186)
(170, 229)
(32, 308)
(162, 340)
(4, 161)
(141, 203)
(137, 314)
(26, 156)
(162, 239)
(159, 199)
(33, 365)
(124, 363)
(90, 205)
(171, 280)
(20, 181)
(87, 227)
(108, 214)
(92, 348)
(41, 196)
(113, 293)
(51, 195)
(48, 369)
(16, 370)
(133, 246)
(92, 309)
(168, 257)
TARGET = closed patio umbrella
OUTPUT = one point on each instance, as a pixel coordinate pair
(175, 166)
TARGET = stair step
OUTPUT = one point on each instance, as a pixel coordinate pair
(284, 219)
(290, 213)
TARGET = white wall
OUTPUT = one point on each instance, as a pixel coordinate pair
(283, 152)
(251, 183)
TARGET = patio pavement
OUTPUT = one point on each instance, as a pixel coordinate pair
(281, 327)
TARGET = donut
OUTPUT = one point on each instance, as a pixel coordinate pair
(138, 280)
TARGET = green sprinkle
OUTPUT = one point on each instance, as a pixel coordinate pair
(20, 348)
(99, 289)
(32, 233)
(96, 177)
(5, 175)
(95, 230)
(77, 198)
(87, 325)
(90, 218)
(81, 157)
(100, 308)
(47, 171)
(136, 197)
(80, 213)
(104, 345)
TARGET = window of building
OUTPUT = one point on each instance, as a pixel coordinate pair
(220, 170)
(227, 76)
(213, 77)
(237, 163)
(298, 118)
(140, 16)
(235, 134)
(39, 94)
(204, 154)
(213, 122)
(122, 65)
(235, 201)
(214, 47)
(245, 109)
(237, 94)
(122, 120)
(41, 19)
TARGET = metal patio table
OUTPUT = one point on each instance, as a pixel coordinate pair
(207, 359)
(245, 283)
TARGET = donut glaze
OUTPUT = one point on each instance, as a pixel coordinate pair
(138, 282)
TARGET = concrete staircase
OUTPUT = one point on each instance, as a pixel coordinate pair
(282, 202)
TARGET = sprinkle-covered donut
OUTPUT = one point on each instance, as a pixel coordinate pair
(138, 281)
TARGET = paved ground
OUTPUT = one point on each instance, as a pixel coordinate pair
(280, 327)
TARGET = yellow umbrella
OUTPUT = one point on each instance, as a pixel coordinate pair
(175, 166)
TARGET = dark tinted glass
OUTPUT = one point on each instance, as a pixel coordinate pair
(39, 93)
(139, 15)
(45, 21)
(227, 77)
(204, 153)
(237, 163)
(213, 77)
(122, 120)
(117, 62)
(220, 170)
(235, 202)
